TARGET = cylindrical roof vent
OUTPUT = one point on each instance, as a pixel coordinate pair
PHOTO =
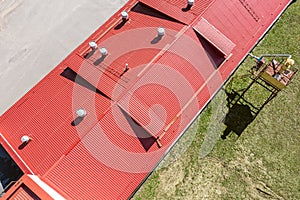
(161, 31)
(124, 15)
(25, 139)
(103, 51)
(93, 44)
(81, 112)
(190, 2)
(126, 67)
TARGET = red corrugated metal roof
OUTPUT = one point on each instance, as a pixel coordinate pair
(24, 193)
(26, 189)
(177, 9)
(110, 151)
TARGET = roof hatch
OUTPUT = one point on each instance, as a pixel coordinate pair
(214, 37)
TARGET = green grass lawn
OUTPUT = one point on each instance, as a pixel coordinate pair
(264, 161)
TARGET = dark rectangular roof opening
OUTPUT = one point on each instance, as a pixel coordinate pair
(10, 172)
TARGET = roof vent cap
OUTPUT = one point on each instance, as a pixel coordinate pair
(25, 139)
(93, 44)
(190, 2)
(161, 31)
(124, 15)
(103, 51)
(81, 112)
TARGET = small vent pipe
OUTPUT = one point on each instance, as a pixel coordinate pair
(103, 51)
(161, 31)
(124, 15)
(93, 45)
(25, 139)
(81, 112)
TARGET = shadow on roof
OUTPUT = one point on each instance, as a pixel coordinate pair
(187, 8)
(147, 10)
(76, 78)
(214, 55)
(145, 138)
(77, 121)
(156, 39)
(89, 54)
(100, 60)
(120, 25)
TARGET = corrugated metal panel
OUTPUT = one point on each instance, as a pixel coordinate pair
(197, 9)
(171, 10)
(24, 193)
(203, 96)
(89, 178)
(190, 48)
(258, 9)
(187, 65)
(96, 106)
(233, 20)
(74, 61)
(130, 146)
(178, 10)
(121, 130)
(47, 132)
(214, 36)
(44, 150)
(165, 91)
(28, 107)
(142, 113)
(144, 16)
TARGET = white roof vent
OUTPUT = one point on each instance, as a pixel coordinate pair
(103, 51)
(25, 139)
(81, 112)
(161, 31)
(190, 2)
(124, 15)
(93, 44)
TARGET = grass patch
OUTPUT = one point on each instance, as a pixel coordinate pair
(263, 162)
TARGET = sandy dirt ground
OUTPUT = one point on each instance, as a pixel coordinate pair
(37, 35)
